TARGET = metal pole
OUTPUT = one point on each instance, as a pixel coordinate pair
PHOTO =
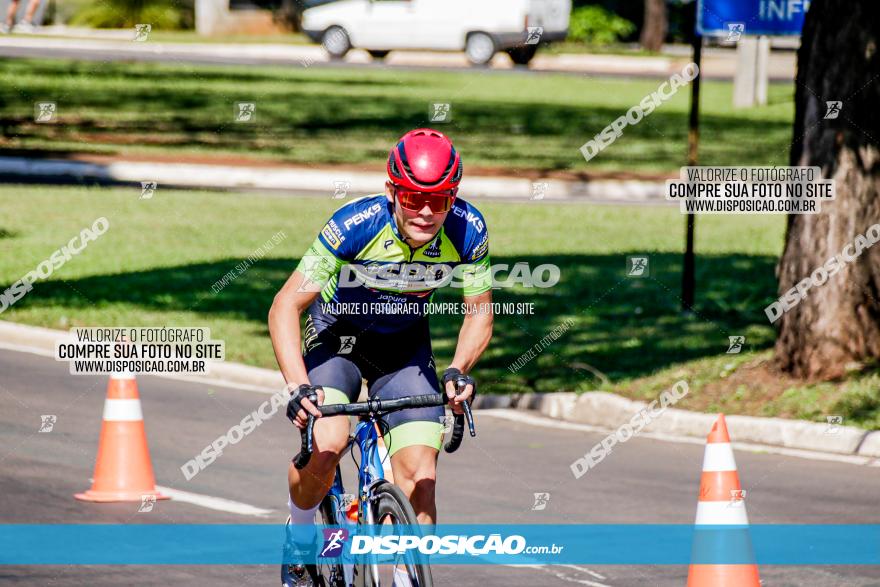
(687, 274)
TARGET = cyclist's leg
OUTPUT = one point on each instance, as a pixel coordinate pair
(309, 485)
(414, 436)
(341, 379)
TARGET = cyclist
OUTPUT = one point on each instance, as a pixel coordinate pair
(376, 328)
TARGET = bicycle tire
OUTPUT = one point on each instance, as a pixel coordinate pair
(391, 501)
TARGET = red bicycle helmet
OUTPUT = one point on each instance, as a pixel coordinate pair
(424, 160)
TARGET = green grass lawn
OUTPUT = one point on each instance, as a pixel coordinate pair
(351, 116)
(157, 263)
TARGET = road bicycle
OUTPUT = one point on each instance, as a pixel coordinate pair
(378, 500)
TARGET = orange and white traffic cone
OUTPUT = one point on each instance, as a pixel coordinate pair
(123, 470)
(721, 503)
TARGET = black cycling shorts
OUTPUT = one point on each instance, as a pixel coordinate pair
(338, 355)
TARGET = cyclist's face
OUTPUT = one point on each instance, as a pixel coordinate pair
(419, 226)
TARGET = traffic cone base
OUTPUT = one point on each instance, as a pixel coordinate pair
(723, 576)
(111, 496)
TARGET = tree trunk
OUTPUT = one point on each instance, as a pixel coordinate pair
(654, 25)
(837, 326)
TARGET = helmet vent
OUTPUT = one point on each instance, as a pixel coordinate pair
(457, 177)
(393, 166)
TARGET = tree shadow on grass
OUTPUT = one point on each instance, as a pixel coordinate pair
(620, 326)
(304, 117)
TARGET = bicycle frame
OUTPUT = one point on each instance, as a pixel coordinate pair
(370, 470)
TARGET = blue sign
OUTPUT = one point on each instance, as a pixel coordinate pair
(734, 18)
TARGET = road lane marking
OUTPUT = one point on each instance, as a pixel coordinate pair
(536, 420)
(561, 575)
(585, 570)
(215, 503)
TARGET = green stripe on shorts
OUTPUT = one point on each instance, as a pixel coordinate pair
(334, 396)
(419, 432)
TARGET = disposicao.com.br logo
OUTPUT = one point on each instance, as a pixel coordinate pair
(334, 541)
(476, 545)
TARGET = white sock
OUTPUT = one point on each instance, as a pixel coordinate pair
(401, 577)
(300, 516)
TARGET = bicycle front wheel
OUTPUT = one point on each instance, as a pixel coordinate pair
(391, 506)
(329, 574)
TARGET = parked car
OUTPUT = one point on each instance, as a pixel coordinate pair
(479, 27)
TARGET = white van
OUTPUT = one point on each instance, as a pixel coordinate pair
(479, 27)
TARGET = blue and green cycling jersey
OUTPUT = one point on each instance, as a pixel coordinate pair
(370, 277)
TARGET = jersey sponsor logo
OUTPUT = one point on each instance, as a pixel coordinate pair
(331, 238)
(388, 243)
(434, 250)
(310, 335)
(362, 216)
(391, 298)
(336, 230)
(481, 249)
(333, 234)
(470, 217)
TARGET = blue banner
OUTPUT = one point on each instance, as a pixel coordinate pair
(732, 18)
(452, 544)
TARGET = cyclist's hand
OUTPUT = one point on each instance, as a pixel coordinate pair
(450, 378)
(301, 402)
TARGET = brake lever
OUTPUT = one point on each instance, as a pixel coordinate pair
(310, 428)
(470, 418)
(305, 452)
(460, 385)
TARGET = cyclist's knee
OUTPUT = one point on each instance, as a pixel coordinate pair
(416, 467)
(329, 441)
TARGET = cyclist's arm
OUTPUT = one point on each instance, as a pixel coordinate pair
(315, 269)
(475, 333)
(284, 316)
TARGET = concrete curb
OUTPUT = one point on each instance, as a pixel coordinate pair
(357, 183)
(606, 410)
(595, 408)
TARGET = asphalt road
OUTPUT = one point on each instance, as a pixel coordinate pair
(491, 479)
